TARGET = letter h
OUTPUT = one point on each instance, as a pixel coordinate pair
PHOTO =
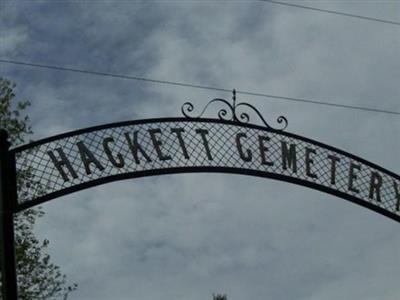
(63, 161)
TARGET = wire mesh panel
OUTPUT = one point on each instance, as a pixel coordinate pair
(77, 160)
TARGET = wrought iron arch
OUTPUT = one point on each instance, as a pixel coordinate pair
(77, 160)
(84, 158)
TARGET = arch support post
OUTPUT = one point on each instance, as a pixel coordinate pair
(8, 192)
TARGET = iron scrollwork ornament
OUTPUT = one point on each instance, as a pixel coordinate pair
(231, 112)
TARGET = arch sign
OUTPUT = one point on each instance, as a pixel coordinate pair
(77, 160)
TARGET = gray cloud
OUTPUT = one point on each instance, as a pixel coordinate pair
(187, 236)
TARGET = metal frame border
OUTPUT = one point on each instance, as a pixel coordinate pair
(8, 189)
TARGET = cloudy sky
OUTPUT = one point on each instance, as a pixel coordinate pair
(188, 236)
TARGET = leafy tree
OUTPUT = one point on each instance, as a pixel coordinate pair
(38, 277)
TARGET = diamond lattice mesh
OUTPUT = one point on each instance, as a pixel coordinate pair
(46, 178)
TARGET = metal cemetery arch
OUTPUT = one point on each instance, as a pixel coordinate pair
(77, 160)
(81, 159)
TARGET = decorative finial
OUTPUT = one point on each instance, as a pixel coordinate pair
(234, 104)
(233, 115)
(4, 136)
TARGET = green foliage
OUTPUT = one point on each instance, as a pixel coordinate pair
(10, 115)
(38, 277)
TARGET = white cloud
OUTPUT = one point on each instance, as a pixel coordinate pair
(11, 40)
